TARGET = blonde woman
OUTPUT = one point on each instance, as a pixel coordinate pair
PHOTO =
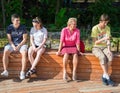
(38, 37)
(70, 45)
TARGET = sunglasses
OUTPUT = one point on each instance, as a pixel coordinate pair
(35, 21)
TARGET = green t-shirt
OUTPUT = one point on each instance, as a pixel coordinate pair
(98, 33)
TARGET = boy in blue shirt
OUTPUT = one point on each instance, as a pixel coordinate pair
(17, 37)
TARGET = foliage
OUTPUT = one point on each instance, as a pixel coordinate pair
(115, 31)
(1, 25)
(102, 6)
(3, 41)
(48, 10)
(61, 17)
(11, 7)
(52, 28)
(55, 14)
(64, 14)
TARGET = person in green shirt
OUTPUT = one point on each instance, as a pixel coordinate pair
(101, 47)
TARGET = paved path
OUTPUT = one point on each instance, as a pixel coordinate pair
(54, 86)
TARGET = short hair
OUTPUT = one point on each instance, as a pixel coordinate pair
(13, 16)
(71, 20)
(37, 20)
(104, 17)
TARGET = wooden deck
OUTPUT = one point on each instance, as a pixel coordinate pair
(54, 86)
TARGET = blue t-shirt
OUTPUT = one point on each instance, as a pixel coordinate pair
(16, 34)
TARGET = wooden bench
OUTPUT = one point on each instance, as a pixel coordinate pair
(50, 66)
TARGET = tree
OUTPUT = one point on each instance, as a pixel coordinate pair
(3, 13)
(102, 6)
(9, 7)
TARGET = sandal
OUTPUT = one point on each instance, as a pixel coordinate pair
(30, 72)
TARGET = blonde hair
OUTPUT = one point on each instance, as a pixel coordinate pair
(37, 20)
(70, 20)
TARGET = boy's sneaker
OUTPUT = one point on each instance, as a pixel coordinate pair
(5, 73)
(22, 75)
(74, 77)
(65, 76)
(104, 80)
(110, 82)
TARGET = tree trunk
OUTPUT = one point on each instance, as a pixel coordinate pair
(57, 6)
(3, 13)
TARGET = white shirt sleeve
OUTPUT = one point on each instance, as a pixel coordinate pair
(45, 33)
(31, 31)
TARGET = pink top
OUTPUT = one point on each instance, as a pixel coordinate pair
(68, 38)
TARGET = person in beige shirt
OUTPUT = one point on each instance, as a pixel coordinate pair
(101, 48)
